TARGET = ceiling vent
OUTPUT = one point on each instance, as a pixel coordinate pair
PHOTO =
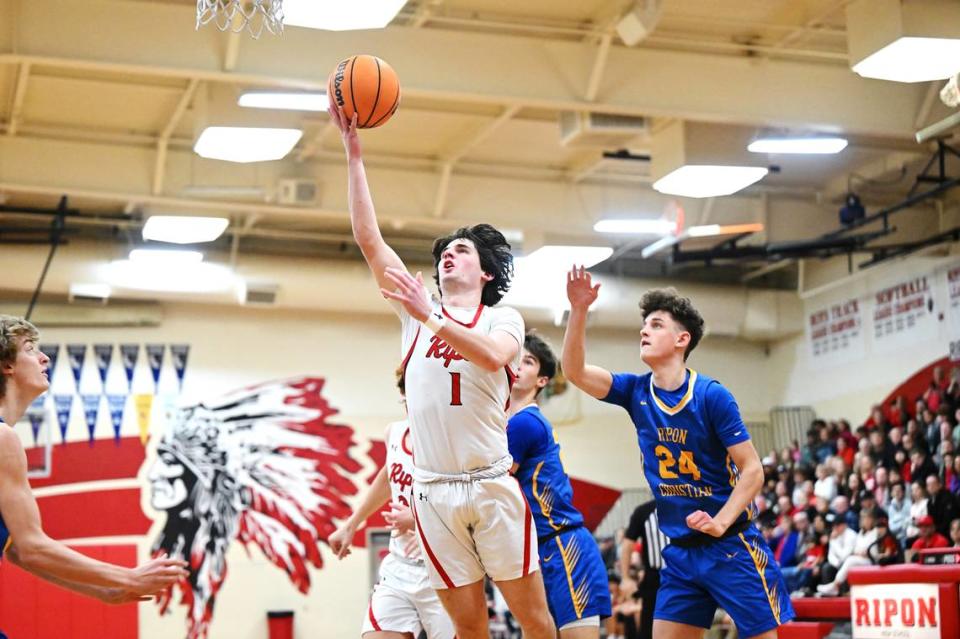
(298, 192)
(259, 294)
(600, 129)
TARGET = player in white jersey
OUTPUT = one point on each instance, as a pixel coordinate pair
(459, 354)
(403, 603)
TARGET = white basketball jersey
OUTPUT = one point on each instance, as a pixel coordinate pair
(399, 464)
(457, 411)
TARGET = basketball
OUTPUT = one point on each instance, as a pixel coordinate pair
(367, 86)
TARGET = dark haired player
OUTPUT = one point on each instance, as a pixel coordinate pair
(701, 466)
(573, 570)
(460, 354)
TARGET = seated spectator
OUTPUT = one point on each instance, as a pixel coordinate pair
(895, 437)
(842, 541)
(929, 538)
(881, 490)
(841, 509)
(955, 483)
(826, 485)
(798, 578)
(898, 510)
(921, 466)
(826, 447)
(790, 542)
(844, 431)
(918, 510)
(954, 543)
(886, 549)
(942, 505)
(858, 555)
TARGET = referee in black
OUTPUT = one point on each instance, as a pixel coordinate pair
(645, 527)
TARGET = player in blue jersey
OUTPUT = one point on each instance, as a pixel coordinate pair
(573, 570)
(23, 377)
(701, 466)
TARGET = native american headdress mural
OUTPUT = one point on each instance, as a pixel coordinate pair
(262, 465)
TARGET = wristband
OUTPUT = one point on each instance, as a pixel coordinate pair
(434, 322)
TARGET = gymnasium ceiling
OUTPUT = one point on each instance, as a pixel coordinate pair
(101, 101)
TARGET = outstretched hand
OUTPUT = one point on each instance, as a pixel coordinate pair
(580, 291)
(410, 292)
(348, 130)
(703, 522)
(341, 539)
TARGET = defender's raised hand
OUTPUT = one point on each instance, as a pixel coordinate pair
(580, 291)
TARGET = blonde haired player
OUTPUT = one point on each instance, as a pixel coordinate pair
(403, 603)
(460, 354)
(23, 378)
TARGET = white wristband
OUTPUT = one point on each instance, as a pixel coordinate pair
(434, 322)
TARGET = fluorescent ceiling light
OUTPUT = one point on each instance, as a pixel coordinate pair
(291, 100)
(566, 256)
(637, 226)
(798, 145)
(704, 231)
(341, 16)
(177, 277)
(164, 257)
(184, 230)
(246, 144)
(90, 290)
(910, 59)
(694, 180)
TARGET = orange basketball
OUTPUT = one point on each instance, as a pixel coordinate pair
(367, 86)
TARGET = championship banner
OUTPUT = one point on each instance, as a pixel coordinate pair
(51, 351)
(129, 353)
(63, 404)
(36, 414)
(179, 353)
(76, 353)
(835, 333)
(953, 298)
(903, 314)
(155, 359)
(91, 410)
(103, 353)
(117, 405)
(144, 403)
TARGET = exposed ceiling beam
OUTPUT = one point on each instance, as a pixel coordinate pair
(142, 39)
(164, 141)
(811, 24)
(19, 93)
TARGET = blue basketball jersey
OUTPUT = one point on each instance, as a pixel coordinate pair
(684, 436)
(545, 484)
(4, 532)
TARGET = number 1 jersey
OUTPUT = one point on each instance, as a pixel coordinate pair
(457, 410)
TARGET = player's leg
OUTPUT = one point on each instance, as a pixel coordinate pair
(443, 513)
(390, 615)
(663, 629)
(684, 607)
(575, 579)
(433, 617)
(392, 612)
(586, 628)
(744, 578)
(467, 608)
(526, 599)
(506, 542)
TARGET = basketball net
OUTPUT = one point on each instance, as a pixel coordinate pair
(237, 15)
